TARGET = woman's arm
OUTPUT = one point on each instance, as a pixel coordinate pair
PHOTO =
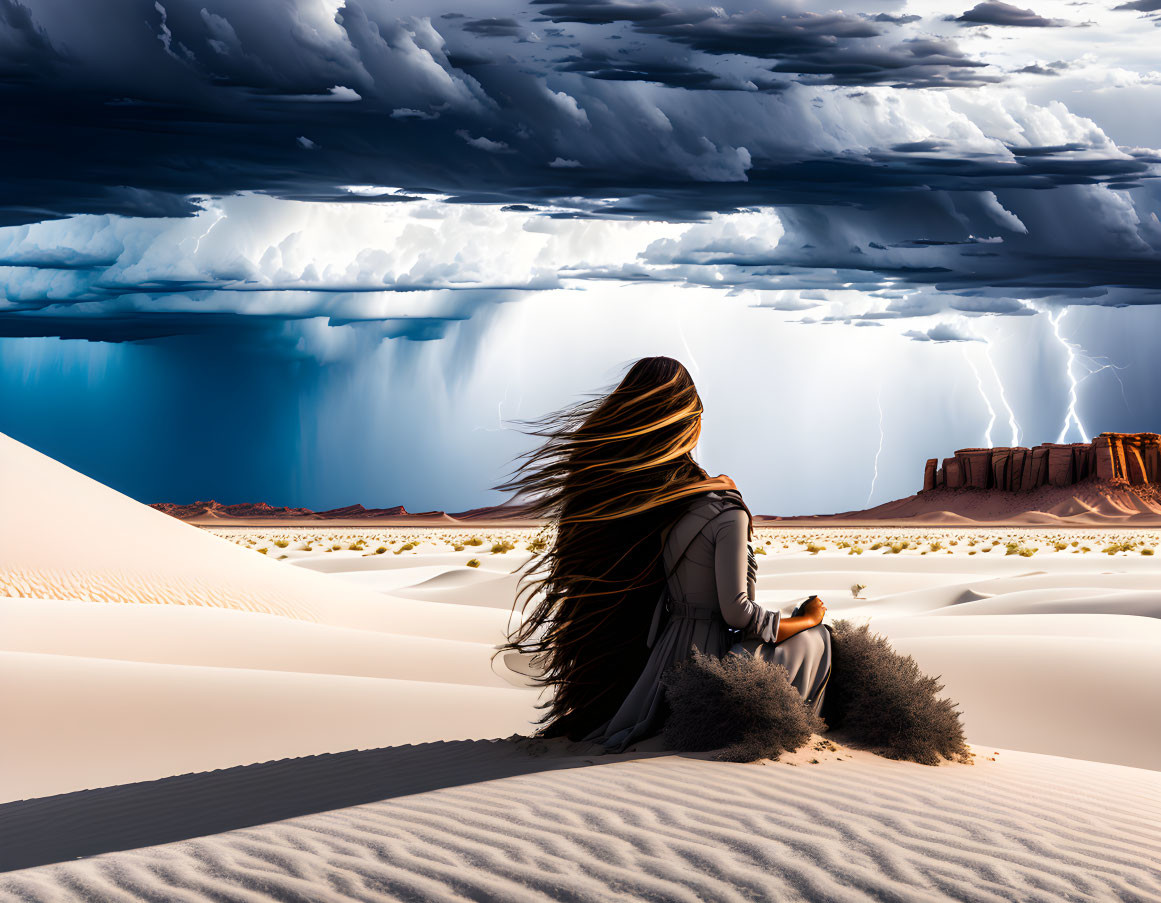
(787, 627)
(738, 609)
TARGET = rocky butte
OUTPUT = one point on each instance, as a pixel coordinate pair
(1133, 458)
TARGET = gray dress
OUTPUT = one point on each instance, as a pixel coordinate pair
(708, 604)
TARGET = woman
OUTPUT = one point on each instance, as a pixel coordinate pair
(638, 518)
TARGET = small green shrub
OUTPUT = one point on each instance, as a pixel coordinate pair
(281, 543)
(473, 562)
(475, 541)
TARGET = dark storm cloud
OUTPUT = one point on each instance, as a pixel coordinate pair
(913, 63)
(494, 28)
(1145, 6)
(25, 49)
(597, 110)
(272, 334)
(996, 12)
(602, 65)
(185, 98)
(826, 48)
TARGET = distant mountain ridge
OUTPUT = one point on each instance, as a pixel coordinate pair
(1115, 480)
(251, 512)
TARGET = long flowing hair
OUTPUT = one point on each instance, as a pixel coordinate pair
(612, 473)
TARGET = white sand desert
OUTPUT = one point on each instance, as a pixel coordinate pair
(269, 714)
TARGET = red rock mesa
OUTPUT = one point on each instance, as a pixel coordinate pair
(1134, 458)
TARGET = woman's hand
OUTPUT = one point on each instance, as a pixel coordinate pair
(814, 609)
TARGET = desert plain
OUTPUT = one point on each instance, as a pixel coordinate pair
(317, 713)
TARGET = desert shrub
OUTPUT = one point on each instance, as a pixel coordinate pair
(1060, 546)
(473, 562)
(263, 551)
(897, 547)
(741, 704)
(760, 550)
(876, 547)
(380, 550)
(502, 548)
(936, 546)
(474, 541)
(1146, 551)
(855, 550)
(842, 544)
(281, 543)
(882, 700)
(457, 548)
(537, 546)
(813, 549)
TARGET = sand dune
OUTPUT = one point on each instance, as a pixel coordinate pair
(92, 722)
(232, 639)
(123, 551)
(853, 827)
(139, 653)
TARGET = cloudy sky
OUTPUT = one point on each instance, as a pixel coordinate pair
(314, 252)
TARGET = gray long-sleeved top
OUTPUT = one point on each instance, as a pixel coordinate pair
(711, 589)
(718, 567)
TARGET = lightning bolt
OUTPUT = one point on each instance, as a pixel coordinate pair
(875, 476)
(1015, 427)
(1072, 416)
(984, 395)
(685, 345)
(1116, 375)
(198, 241)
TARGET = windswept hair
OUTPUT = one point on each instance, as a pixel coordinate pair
(612, 473)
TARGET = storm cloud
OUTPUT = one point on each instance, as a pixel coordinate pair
(388, 192)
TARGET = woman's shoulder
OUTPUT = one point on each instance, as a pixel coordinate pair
(714, 506)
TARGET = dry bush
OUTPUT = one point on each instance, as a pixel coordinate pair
(741, 704)
(882, 700)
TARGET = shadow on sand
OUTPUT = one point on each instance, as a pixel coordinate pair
(89, 822)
